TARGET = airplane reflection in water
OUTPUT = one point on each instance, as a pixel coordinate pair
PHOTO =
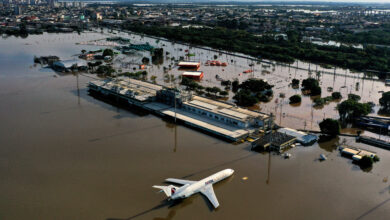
(204, 186)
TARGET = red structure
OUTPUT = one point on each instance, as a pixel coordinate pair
(189, 65)
(197, 75)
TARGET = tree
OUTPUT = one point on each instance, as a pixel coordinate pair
(384, 101)
(366, 161)
(153, 79)
(189, 83)
(295, 99)
(255, 85)
(354, 97)
(108, 52)
(319, 102)
(315, 91)
(105, 70)
(145, 60)
(245, 98)
(312, 85)
(223, 93)
(309, 83)
(252, 91)
(350, 110)
(293, 36)
(295, 82)
(215, 90)
(336, 95)
(235, 85)
(330, 127)
(208, 90)
(226, 83)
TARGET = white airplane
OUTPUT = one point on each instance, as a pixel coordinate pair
(204, 186)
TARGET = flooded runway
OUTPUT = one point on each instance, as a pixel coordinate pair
(67, 155)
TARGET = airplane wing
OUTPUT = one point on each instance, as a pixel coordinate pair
(179, 181)
(208, 191)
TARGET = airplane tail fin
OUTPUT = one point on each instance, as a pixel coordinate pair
(168, 190)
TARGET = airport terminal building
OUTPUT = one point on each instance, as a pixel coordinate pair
(220, 118)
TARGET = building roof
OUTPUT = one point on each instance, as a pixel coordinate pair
(224, 109)
(301, 136)
(136, 89)
(192, 73)
(189, 63)
(70, 63)
(254, 114)
(350, 151)
(274, 138)
(203, 105)
(234, 114)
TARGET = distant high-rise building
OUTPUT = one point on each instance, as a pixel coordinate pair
(52, 3)
(6, 2)
(18, 10)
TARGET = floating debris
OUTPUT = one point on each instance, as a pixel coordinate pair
(245, 178)
(323, 157)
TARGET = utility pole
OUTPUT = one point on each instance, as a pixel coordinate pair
(174, 100)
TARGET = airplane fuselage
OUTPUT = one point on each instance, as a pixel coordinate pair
(190, 189)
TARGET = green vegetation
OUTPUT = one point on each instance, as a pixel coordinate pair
(384, 101)
(295, 99)
(145, 60)
(295, 83)
(319, 102)
(252, 91)
(350, 109)
(354, 97)
(370, 58)
(330, 127)
(223, 93)
(136, 75)
(245, 98)
(368, 161)
(336, 95)
(153, 79)
(158, 56)
(312, 85)
(108, 52)
(105, 70)
(235, 85)
(190, 84)
(322, 101)
(226, 83)
(213, 90)
(95, 51)
(365, 37)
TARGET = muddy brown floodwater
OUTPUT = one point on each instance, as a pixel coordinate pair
(66, 155)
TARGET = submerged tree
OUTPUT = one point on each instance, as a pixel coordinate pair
(295, 99)
(330, 127)
(349, 110)
(312, 85)
(384, 101)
